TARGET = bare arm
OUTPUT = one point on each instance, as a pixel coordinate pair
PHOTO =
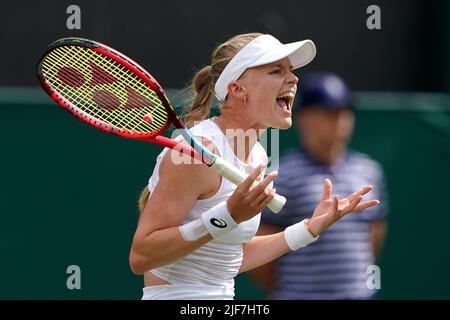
(263, 249)
(262, 275)
(157, 240)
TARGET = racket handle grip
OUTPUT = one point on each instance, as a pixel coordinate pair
(236, 176)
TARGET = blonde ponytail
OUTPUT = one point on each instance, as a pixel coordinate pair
(202, 99)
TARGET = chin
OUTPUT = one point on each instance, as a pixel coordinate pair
(283, 125)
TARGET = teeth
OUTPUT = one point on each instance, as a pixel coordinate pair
(286, 95)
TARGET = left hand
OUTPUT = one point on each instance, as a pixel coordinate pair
(329, 210)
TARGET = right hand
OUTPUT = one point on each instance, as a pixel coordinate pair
(252, 195)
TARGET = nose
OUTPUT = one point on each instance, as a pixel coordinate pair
(292, 78)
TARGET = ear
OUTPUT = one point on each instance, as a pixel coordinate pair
(237, 90)
(351, 115)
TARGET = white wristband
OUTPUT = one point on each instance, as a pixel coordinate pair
(218, 220)
(193, 230)
(297, 236)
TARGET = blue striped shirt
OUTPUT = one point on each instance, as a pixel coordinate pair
(335, 266)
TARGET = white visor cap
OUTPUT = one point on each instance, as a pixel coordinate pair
(262, 50)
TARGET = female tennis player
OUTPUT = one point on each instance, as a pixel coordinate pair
(197, 230)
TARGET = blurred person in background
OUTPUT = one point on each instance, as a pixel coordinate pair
(336, 267)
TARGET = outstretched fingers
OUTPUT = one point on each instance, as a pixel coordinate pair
(336, 205)
(327, 189)
(265, 187)
(252, 177)
(360, 206)
(363, 191)
(352, 205)
(266, 200)
(365, 205)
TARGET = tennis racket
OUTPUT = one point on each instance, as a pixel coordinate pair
(109, 91)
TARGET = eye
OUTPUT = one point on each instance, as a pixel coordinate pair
(277, 70)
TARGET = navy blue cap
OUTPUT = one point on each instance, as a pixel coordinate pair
(324, 90)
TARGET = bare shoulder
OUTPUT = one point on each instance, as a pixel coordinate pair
(189, 175)
(182, 181)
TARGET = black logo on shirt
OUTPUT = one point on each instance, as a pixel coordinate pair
(219, 223)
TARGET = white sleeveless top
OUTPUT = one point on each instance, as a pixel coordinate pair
(216, 263)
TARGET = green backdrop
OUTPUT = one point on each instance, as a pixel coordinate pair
(68, 197)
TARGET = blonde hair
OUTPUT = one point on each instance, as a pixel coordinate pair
(202, 87)
(202, 84)
(143, 198)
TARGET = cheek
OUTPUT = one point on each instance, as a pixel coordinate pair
(264, 91)
(267, 96)
(261, 104)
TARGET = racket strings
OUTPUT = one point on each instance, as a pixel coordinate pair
(133, 99)
(103, 88)
(109, 100)
(110, 117)
(105, 98)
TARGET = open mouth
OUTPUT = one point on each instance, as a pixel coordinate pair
(284, 101)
